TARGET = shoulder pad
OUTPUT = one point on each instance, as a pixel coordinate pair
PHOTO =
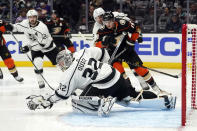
(122, 22)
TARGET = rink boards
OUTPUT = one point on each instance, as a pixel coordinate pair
(156, 51)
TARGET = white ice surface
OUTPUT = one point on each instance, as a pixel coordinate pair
(15, 116)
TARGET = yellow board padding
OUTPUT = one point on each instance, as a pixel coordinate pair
(147, 64)
(159, 65)
(27, 64)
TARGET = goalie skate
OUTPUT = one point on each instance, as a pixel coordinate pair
(106, 105)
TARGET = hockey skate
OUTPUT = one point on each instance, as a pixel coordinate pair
(1, 74)
(142, 82)
(106, 105)
(19, 78)
(159, 91)
(41, 84)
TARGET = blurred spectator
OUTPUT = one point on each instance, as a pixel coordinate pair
(19, 4)
(148, 22)
(30, 4)
(149, 17)
(174, 24)
(193, 12)
(22, 16)
(4, 11)
(41, 16)
(96, 3)
(45, 9)
(181, 14)
(128, 8)
(82, 25)
(159, 3)
(90, 17)
(164, 18)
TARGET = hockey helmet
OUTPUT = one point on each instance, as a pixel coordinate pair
(32, 13)
(98, 12)
(108, 16)
(64, 59)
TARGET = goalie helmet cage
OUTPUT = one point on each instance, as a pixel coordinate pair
(189, 50)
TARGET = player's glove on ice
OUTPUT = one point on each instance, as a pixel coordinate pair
(24, 49)
(38, 102)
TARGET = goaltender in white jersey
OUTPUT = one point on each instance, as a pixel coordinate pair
(100, 83)
(39, 42)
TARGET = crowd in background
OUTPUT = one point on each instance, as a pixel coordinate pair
(170, 14)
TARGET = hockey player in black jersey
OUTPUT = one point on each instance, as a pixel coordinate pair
(101, 86)
(60, 32)
(109, 36)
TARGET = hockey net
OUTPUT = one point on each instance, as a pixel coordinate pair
(189, 59)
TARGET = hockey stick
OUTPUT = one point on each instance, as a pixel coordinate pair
(33, 63)
(117, 47)
(161, 72)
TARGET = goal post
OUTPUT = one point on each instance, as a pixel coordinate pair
(189, 52)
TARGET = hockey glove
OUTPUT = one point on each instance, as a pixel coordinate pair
(140, 39)
(24, 49)
(1, 22)
(108, 40)
(38, 102)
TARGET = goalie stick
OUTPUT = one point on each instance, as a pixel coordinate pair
(32, 62)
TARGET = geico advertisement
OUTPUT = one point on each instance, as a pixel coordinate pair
(155, 47)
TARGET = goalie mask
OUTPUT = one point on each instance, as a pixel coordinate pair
(64, 59)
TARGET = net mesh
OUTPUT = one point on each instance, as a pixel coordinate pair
(191, 59)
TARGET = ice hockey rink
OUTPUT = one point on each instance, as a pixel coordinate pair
(15, 116)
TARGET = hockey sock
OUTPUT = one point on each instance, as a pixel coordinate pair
(9, 62)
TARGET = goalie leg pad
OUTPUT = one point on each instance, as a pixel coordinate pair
(161, 103)
(85, 104)
(92, 105)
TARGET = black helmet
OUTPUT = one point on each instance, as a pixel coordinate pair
(108, 16)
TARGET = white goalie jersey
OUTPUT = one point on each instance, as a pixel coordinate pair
(39, 38)
(87, 69)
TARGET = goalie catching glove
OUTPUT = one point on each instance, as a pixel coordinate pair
(38, 102)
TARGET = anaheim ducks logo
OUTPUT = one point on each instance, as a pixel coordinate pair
(122, 22)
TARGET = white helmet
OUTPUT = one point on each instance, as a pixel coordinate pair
(64, 59)
(32, 13)
(97, 12)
